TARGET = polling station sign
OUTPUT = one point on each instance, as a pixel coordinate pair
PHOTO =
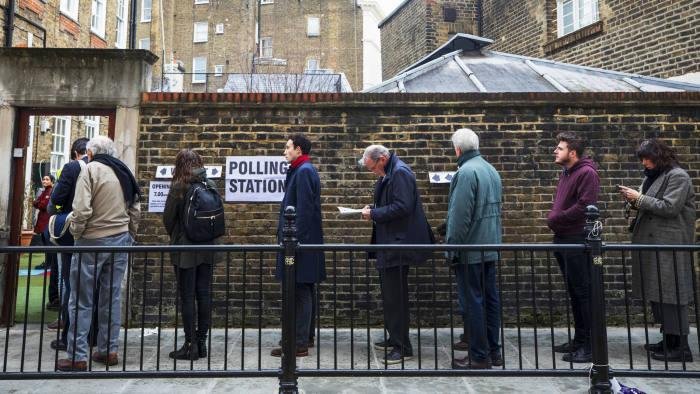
(255, 178)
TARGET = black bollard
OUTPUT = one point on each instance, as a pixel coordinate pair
(288, 376)
(600, 372)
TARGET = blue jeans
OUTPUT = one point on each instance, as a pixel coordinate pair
(481, 308)
(85, 271)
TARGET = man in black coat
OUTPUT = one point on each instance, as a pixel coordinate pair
(302, 190)
(397, 218)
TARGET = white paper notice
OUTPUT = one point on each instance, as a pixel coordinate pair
(255, 178)
(348, 211)
(157, 194)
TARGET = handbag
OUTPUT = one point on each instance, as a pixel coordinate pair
(59, 229)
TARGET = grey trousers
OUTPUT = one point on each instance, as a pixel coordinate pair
(85, 270)
(667, 315)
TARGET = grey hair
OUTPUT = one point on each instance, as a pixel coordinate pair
(374, 152)
(101, 145)
(465, 140)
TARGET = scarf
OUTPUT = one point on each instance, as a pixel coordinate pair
(651, 175)
(299, 161)
(130, 187)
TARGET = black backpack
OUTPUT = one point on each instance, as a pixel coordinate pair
(204, 213)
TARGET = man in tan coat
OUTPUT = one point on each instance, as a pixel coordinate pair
(105, 213)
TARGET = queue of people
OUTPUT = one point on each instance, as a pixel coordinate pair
(104, 198)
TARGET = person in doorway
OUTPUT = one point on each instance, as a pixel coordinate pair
(474, 217)
(302, 191)
(41, 203)
(397, 218)
(105, 213)
(665, 206)
(578, 187)
(193, 270)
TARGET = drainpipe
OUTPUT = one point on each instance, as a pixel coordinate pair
(480, 16)
(132, 25)
(9, 22)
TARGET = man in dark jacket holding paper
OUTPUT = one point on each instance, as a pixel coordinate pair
(302, 190)
(397, 218)
(578, 187)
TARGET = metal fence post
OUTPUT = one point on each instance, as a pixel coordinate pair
(288, 377)
(600, 371)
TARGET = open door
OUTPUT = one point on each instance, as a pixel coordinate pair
(41, 145)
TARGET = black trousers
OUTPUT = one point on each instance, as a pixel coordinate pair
(394, 287)
(52, 263)
(194, 283)
(576, 269)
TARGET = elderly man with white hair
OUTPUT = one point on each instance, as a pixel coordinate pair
(105, 213)
(474, 217)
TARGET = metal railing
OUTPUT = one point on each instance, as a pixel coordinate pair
(535, 314)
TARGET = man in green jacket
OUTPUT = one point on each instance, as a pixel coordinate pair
(474, 217)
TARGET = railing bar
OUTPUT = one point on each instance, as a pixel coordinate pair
(10, 320)
(417, 300)
(143, 310)
(317, 326)
(627, 309)
(335, 311)
(500, 299)
(517, 309)
(367, 305)
(568, 303)
(551, 309)
(534, 308)
(644, 306)
(352, 314)
(451, 311)
(109, 311)
(43, 304)
(228, 300)
(243, 316)
(160, 309)
(94, 310)
(177, 308)
(75, 314)
(128, 299)
(660, 305)
(435, 333)
(26, 313)
(210, 274)
(260, 308)
(678, 310)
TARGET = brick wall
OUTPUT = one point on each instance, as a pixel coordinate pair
(418, 28)
(656, 38)
(517, 136)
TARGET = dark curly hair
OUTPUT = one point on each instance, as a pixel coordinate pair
(658, 152)
(185, 162)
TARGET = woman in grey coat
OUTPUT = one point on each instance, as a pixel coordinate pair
(665, 207)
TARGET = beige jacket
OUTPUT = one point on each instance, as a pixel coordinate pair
(99, 209)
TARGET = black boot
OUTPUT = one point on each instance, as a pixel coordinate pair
(188, 351)
(202, 346)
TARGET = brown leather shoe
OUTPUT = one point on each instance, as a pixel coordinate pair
(301, 352)
(461, 346)
(104, 358)
(54, 325)
(67, 365)
(464, 363)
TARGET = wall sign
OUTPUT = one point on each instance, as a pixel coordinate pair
(255, 178)
(157, 194)
(441, 176)
(166, 172)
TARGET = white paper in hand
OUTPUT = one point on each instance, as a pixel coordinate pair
(348, 211)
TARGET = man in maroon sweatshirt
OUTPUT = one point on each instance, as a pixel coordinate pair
(578, 187)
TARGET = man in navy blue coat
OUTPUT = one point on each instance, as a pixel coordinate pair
(302, 190)
(397, 218)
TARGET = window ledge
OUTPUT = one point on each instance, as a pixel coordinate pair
(574, 38)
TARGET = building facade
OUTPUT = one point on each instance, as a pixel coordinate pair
(200, 42)
(658, 38)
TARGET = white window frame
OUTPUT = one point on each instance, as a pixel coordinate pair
(200, 32)
(30, 40)
(92, 126)
(218, 70)
(201, 1)
(266, 47)
(267, 2)
(70, 8)
(199, 74)
(98, 17)
(313, 26)
(583, 13)
(146, 11)
(219, 28)
(59, 142)
(146, 47)
(122, 16)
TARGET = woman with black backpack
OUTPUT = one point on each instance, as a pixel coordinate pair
(193, 269)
